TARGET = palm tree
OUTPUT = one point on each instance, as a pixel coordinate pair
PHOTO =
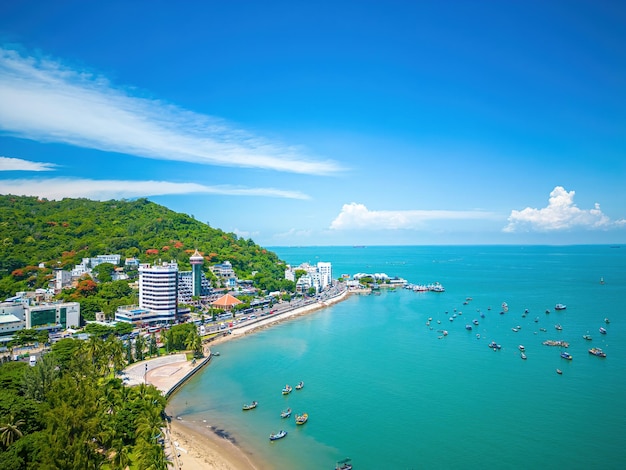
(121, 459)
(10, 431)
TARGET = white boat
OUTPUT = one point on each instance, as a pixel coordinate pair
(279, 435)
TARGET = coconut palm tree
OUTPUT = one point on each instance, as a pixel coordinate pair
(9, 431)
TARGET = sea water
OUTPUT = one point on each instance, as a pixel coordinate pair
(387, 390)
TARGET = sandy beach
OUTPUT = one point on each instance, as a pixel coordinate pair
(197, 446)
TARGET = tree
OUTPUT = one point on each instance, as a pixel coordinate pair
(104, 272)
(9, 431)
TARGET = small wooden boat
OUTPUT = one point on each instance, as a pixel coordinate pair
(602, 331)
(559, 371)
(279, 435)
(285, 413)
(300, 385)
(345, 464)
(250, 406)
(587, 337)
(287, 390)
(597, 352)
(521, 347)
(560, 307)
(303, 418)
(523, 355)
(558, 327)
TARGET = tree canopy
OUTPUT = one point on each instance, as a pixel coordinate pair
(59, 234)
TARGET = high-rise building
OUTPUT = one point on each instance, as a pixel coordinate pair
(158, 288)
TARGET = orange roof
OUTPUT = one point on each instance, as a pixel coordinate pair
(227, 300)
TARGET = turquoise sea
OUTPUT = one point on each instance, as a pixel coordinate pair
(388, 391)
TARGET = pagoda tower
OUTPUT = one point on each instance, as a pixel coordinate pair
(196, 261)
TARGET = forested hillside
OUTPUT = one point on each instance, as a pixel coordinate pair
(61, 233)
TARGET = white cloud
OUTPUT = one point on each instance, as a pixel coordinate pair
(59, 188)
(293, 233)
(45, 101)
(357, 216)
(17, 164)
(560, 214)
(245, 233)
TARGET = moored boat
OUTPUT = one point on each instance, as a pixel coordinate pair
(560, 307)
(468, 327)
(285, 413)
(279, 435)
(521, 347)
(300, 385)
(559, 371)
(345, 464)
(587, 337)
(303, 418)
(602, 331)
(566, 355)
(475, 322)
(287, 390)
(558, 327)
(250, 406)
(523, 355)
(597, 352)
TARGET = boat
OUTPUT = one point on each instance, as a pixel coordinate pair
(542, 329)
(287, 390)
(560, 307)
(536, 319)
(445, 332)
(216, 353)
(558, 326)
(477, 335)
(523, 355)
(559, 371)
(521, 347)
(602, 331)
(597, 352)
(468, 327)
(601, 280)
(566, 355)
(607, 321)
(285, 413)
(475, 322)
(345, 464)
(279, 435)
(250, 406)
(300, 385)
(515, 330)
(505, 307)
(547, 310)
(495, 346)
(587, 337)
(303, 418)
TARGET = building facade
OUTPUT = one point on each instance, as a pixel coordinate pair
(158, 288)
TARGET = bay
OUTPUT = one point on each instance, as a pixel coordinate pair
(388, 391)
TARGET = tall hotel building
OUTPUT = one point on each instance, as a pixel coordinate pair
(158, 289)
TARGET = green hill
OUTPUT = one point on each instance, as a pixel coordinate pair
(61, 233)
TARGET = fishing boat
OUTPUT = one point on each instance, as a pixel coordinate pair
(303, 418)
(560, 307)
(597, 352)
(547, 310)
(287, 390)
(300, 385)
(559, 371)
(521, 347)
(468, 327)
(475, 322)
(602, 331)
(607, 321)
(250, 406)
(587, 337)
(285, 413)
(345, 464)
(279, 435)
(523, 355)
(566, 355)
(558, 326)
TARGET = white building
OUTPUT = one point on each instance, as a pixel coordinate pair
(158, 295)
(320, 277)
(62, 279)
(158, 288)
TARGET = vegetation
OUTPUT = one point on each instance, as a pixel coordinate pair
(60, 233)
(70, 411)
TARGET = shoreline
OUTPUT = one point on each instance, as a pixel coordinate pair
(201, 447)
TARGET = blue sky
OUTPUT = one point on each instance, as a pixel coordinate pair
(326, 123)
